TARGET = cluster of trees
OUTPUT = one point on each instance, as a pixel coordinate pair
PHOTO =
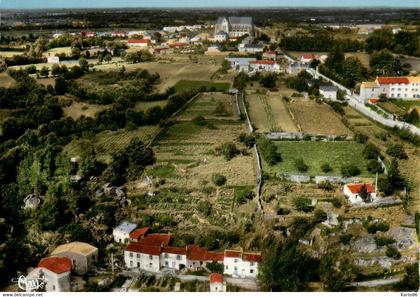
(347, 71)
(269, 151)
(384, 63)
(319, 41)
(403, 42)
(138, 56)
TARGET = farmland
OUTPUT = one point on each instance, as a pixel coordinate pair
(144, 105)
(78, 109)
(317, 118)
(269, 113)
(316, 153)
(6, 81)
(184, 85)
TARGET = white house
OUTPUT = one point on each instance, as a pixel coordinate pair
(121, 233)
(328, 92)
(56, 273)
(138, 42)
(352, 192)
(239, 64)
(264, 65)
(405, 87)
(221, 36)
(53, 59)
(240, 264)
(369, 90)
(269, 55)
(216, 283)
(251, 48)
(141, 256)
(173, 257)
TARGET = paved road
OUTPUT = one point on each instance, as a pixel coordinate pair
(378, 282)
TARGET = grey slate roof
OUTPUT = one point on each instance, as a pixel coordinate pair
(328, 88)
(240, 20)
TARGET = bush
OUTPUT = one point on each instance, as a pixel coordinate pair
(375, 227)
(326, 168)
(303, 204)
(204, 207)
(373, 166)
(396, 151)
(242, 195)
(350, 170)
(326, 185)
(370, 151)
(300, 165)
(269, 151)
(228, 150)
(283, 211)
(393, 252)
(345, 238)
(199, 120)
(336, 203)
(218, 179)
(320, 216)
(382, 241)
(247, 139)
(360, 138)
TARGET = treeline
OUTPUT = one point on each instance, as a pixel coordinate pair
(403, 42)
(320, 41)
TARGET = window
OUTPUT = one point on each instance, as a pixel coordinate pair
(138, 256)
(138, 264)
(251, 271)
(166, 256)
(53, 287)
(236, 261)
(178, 257)
(235, 268)
(166, 263)
(131, 255)
(226, 267)
(131, 263)
(150, 264)
(252, 264)
(150, 257)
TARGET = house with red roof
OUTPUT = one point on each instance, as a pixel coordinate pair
(216, 283)
(264, 65)
(241, 264)
(138, 42)
(138, 234)
(173, 257)
(307, 58)
(403, 87)
(56, 273)
(352, 192)
(270, 55)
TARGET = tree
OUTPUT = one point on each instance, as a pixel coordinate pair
(410, 281)
(30, 69)
(60, 86)
(300, 165)
(100, 58)
(371, 151)
(228, 150)
(303, 204)
(83, 63)
(44, 71)
(269, 151)
(108, 58)
(218, 179)
(336, 271)
(350, 170)
(396, 150)
(269, 80)
(364, 194)
(374, 166)
(55, 70)
(326, 168)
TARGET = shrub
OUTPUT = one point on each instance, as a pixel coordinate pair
(375, 227)
(204, 207)
(326, 167)
(269, 151)
(326, 185)
(350, 170)
(396, 151)
(345, 238)
(199, 120)
(360, 138)
(300, 165)
(382, 241)
(370, 151)
(228, 150)
(336, 203)
(218, 179)
(247, 139)
(303, 204)
(242, 195)
(393, 252)
(373, 166)
(320, 216)
(283, 211)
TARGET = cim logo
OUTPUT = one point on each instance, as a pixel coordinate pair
(29, 284)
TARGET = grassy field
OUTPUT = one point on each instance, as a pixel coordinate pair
(210, 106)
(109, 142)
(269, 113)
(58, 50)
(185, 85)
(144, 105)
(78, 109)
(317, 118)
(6, 81)
(315, 154)
(392, 108)
(9, 54)
(407, 104)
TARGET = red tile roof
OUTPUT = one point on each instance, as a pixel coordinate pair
(263, 62)
(196, 253)
(136, 234)
(270, 53)
(138, 41)
(374, 100)
(215, 256)
(216, 278)
(144, 249)
(392, 80)
(158, 239)
(174, 250)
(57, 265)
(252, 257)
(355, 188)
(233, 254)
(308, 56)
(178, 44)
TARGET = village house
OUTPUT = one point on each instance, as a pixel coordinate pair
(216, 283)
(89, 34)
(270, 55)
(118, 34)
(121, 233)
(241, 264)
(173, 257)
(239, 64)
(405, 87)
(56, 272)
(264, 65)
(138, 234)
(328, 92)
(138, 42)
(213, 49)
(198, 257)
(251, 48)
(296, 67)
(352, 192)
(53, 59)
(221, 36)
(307, 58)
(83, 255)
(146, 257)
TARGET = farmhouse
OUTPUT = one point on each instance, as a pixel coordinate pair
(121, 233)
(270, 55)
(405, 87)
(221, 36)
(328, 92)
(118, 34)
(353, 192)
(235, 26)
(296, 67)
(53, 59)
(56, 272)
(240, 64)
(307, 58)
(138, 42)
(138, 234)
(241, 264)
(83, 255)
(216, 283)
(264, 65)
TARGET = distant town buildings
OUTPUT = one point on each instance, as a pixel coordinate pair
(138, 42)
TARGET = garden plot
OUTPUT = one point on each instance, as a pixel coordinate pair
(210, 106)
(317, 118)
(269, 113)
(316, 153)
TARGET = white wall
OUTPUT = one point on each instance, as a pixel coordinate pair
(56, 282)
(141, 261)
(172, 260)
(240, 268)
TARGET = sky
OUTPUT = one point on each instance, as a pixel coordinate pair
(36, 4)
